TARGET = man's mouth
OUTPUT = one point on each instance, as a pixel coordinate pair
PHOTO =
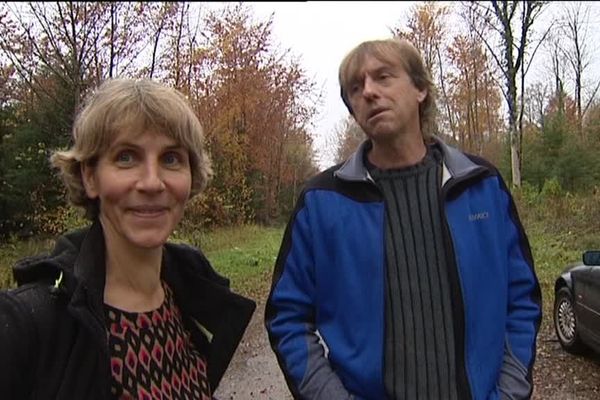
(375, 112)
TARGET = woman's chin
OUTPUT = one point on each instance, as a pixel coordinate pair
(149, 241)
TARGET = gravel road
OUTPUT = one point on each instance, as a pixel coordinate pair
(254, 373)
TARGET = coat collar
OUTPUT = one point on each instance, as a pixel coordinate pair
(208, 305)
(456, 164)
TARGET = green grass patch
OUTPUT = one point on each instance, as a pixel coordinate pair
(558, 231)
(244, 254)
(551, 255)
(14, 250)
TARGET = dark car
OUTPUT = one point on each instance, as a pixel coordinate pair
(577, 305)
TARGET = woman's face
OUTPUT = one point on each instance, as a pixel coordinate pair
(143, 181)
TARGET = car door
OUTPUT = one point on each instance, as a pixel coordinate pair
(587, 293)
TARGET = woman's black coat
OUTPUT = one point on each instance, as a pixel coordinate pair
(53, 337)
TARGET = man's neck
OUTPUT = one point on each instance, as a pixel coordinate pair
(400, 153)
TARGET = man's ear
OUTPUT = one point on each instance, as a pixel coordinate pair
(88, 177)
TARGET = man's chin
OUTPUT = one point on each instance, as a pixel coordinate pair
(381, 132)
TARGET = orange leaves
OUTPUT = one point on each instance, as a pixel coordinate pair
(475, 96)
(468, 97)
(426, 29)
(254, 104)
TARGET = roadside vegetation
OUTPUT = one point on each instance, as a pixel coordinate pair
(560, 226)
(244, 254)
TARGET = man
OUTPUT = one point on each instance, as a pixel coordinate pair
(404, 273)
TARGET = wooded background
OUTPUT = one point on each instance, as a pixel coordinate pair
(257, 103)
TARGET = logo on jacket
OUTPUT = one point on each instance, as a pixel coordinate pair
(479, 216)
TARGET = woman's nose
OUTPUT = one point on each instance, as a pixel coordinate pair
(150, 179)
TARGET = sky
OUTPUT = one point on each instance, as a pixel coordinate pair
(321, 34)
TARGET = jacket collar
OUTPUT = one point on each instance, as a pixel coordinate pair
(210, 306)
(89, 267)
(200, 292)
(78, 257)
(89, 270)
(456, 165)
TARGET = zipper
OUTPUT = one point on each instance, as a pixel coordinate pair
(453, 182)
(464, 387)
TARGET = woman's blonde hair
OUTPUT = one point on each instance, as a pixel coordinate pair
(135, 105)
(395, 52)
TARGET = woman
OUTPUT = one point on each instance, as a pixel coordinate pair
(115, 311)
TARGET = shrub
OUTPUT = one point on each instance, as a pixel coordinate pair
(551, 190)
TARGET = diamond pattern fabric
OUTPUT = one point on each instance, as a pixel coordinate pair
(152, 356)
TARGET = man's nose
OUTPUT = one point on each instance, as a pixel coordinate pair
(369, 87)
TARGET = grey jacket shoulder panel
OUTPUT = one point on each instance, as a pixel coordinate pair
(354, 168)
(455, 161)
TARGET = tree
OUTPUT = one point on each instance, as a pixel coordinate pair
(536, 99)
(511, 22)
(349, 135)
(426, 29)
(58, 39)
(575, 50)
(255, 101)
(475, 97)
(255, 104)
(58, 51)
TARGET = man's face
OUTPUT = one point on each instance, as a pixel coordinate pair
(384, 100)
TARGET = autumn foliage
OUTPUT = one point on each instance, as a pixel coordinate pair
(545, 130)
(254, 100)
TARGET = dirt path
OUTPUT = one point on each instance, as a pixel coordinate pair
(254, 373)
(559, 375)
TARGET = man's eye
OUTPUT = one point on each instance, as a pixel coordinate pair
(355, 88)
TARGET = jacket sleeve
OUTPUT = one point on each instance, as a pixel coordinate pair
(524, 312)
(16, 347)
(290, 317)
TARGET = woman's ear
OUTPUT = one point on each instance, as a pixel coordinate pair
(89, 180)
(422, 95)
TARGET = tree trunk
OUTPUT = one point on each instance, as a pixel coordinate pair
(515, 160)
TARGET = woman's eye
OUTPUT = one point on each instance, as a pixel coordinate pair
(124, 158)
(173, 159)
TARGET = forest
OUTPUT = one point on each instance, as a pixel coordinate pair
(254, 101)
(257, 102)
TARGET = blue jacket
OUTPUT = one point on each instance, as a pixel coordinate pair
(325, 314)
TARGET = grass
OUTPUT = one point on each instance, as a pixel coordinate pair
(551, 255)
(559, 231)
(245, 254)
